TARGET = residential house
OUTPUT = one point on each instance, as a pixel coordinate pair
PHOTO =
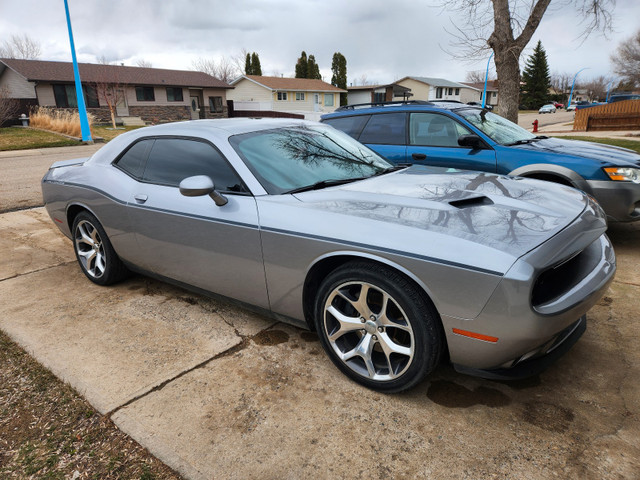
(279, 94)
(492, 91)
(430, 88)
(153, 94)
(377, 93)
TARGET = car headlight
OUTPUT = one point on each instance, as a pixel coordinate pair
(623, 174)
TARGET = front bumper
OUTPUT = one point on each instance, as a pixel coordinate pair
(536, 361)
(619, 200)
(545, 294)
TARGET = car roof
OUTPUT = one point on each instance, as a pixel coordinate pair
(388, 107)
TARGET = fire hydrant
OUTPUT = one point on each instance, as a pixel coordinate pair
(535, 125)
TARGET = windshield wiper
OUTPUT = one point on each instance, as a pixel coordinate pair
(524, 141)
(395, 168)
(322, 184)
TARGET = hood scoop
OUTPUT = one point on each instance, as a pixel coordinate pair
(471, 202)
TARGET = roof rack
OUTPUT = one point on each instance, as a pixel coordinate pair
(446, 101)
(382, 104)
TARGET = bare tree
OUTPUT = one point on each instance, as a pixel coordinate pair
(20, 46)
(226, 69)
(597, 87)
(8, 106)
(506, 27)
(144, 63)
(626, 60)
(477, 76)
(560, 82)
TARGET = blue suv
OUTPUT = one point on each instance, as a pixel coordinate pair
(453, 134)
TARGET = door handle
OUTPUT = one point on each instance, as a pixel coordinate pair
(140, 198)
(418, 156)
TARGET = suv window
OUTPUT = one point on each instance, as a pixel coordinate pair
(133, 159)
(433, 129)
(349, 125)
(173, 159)
(386, 128)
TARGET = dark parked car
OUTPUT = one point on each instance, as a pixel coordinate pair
(394, 267)
(450, 134)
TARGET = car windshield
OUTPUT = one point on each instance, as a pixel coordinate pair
(496, 127)
(294, 158)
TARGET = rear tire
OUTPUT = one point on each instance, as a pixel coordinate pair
(94, 252)
(377, 327)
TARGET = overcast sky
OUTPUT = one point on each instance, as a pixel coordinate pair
(382, 40)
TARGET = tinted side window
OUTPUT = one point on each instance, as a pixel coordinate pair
(133, 159)
(387, 128)
(349, 125)
(173, 159)
(435, 130)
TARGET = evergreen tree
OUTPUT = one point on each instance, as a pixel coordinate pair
(313, 71)
(302, 66)
(339, 74)
(256, 69)
(247, 65)
(536, 78)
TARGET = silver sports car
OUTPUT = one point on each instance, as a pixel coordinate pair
(395, 267)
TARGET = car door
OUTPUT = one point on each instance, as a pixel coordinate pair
(191, 239)
(433, 140)
(385, 134)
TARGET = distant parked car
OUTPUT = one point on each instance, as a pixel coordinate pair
(550, 108)
(571, 107)
(460, 136)
(626, 96)
(558, 105)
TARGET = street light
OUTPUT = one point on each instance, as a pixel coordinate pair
(82, 109)
(573, 84)
(486, 76)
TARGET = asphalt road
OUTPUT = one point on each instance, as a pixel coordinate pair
(217, 392)
(525, 120)
(22, 171)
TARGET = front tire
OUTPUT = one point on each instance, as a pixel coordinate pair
(377, 327)
(94, 252)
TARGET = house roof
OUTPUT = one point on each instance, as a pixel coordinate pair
(38, 70)
(492, 85)
(291, 84)
(438, 82)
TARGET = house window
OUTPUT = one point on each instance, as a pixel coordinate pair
(439, 92)
(65, 96)
(91, 96)
(494, 94)
(328, 99)
(451, 91)
(282, 96)
(215, 104)
(174, 94)
(145, 94)
(300, 96)
(457, 91)
(378, 97)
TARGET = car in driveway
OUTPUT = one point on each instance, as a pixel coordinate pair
(550, 108)
(572, 107)
(395, 267)
(452, 134)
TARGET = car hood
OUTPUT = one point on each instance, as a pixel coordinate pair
(509, 216)
(596, 151)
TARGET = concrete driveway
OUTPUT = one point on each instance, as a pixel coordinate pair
(217, 392)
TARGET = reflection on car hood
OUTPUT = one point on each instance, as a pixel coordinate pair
(596, 151)
(506, 214)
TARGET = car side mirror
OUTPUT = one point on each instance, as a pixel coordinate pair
(471, 141)
(200, 185)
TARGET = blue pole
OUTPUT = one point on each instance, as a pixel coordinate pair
(573, 84)
(609, 90)
(82, 109)
(486, 76)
